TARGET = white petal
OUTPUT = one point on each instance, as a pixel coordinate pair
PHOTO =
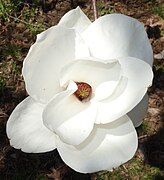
(71, 119)
(102, 76)
(107, 147)
(75, 19)
(26, 131)
(137, 77)
(53, 49)
(105, 90)
(137, 113)
(116, 35)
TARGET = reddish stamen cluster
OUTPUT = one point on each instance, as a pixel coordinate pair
(84, 91)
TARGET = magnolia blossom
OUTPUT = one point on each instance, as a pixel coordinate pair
(87, 85)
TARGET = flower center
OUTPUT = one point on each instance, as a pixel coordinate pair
(84, 91)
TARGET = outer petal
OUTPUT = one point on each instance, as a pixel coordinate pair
(107, 147)
(69, 118)
(54, 48)
(116, 35)
(103, 76)
(26, 131)
(75, 19)
(137, 77)
(137, 113)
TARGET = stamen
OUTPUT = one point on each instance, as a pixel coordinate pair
(84, 91)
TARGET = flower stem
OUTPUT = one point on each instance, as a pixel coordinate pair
(95, 9)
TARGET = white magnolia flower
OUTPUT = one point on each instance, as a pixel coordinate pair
(87, 85)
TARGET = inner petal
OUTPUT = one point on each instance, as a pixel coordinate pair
(71, 119)
(136, 78)
(102, 76)
(106, 89)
